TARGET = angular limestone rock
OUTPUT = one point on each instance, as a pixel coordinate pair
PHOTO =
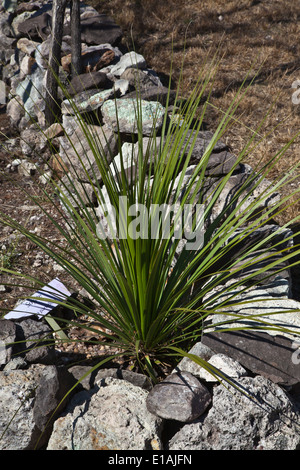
(129, 60)
(112, 416)
(76, 152)
(264, 419)
(225, 364)
(17, 396)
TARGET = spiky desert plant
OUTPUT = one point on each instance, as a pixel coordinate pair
(151, 295)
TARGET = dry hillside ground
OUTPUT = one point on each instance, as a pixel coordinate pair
(249, 33)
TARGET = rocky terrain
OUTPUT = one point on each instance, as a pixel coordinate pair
(114, 408)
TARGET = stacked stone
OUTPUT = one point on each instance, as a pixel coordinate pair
(115, 409)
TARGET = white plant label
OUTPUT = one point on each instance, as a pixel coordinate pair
(41, 302)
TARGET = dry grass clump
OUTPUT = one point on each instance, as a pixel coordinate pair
(247, 32)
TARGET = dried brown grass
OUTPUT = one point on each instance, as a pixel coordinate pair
(247, 32)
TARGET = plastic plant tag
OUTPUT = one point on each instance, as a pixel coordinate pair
(38, 304)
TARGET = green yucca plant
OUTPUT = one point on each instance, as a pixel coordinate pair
(152, 298)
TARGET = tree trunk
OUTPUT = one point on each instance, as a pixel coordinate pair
(52, 109)
(75, 38)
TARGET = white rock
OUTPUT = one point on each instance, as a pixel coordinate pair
(131, 59)
(280, 313)
(27, 168)
(121, 86)
(46, 177)
(222, 362)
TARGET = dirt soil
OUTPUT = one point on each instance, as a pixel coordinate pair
(264, 34)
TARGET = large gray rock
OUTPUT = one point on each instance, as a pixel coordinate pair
(86, 81)
(6, 47)
(28, 400)
(32, 6)
(89, 382)
(79, 157)
(123, 115)
(154, 93)
(258, 265)
(198, 142)
(35, 341)
(52, 395)
(19, 20)
(87, 101)
(250, 309)
(42, 52)
(17, 396)
(78, 193)
(272, 234)
(32, 142)
(15, 110)
(243, 189)
(5, 25)
(36, 25)
(93, 58)
(30, 339)
(27, 46)
(30, 90)
(141, 79)
(131, 154)
(266, 419)
(218, 164)
(112, 416)
(180, 397)
(270, 356)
